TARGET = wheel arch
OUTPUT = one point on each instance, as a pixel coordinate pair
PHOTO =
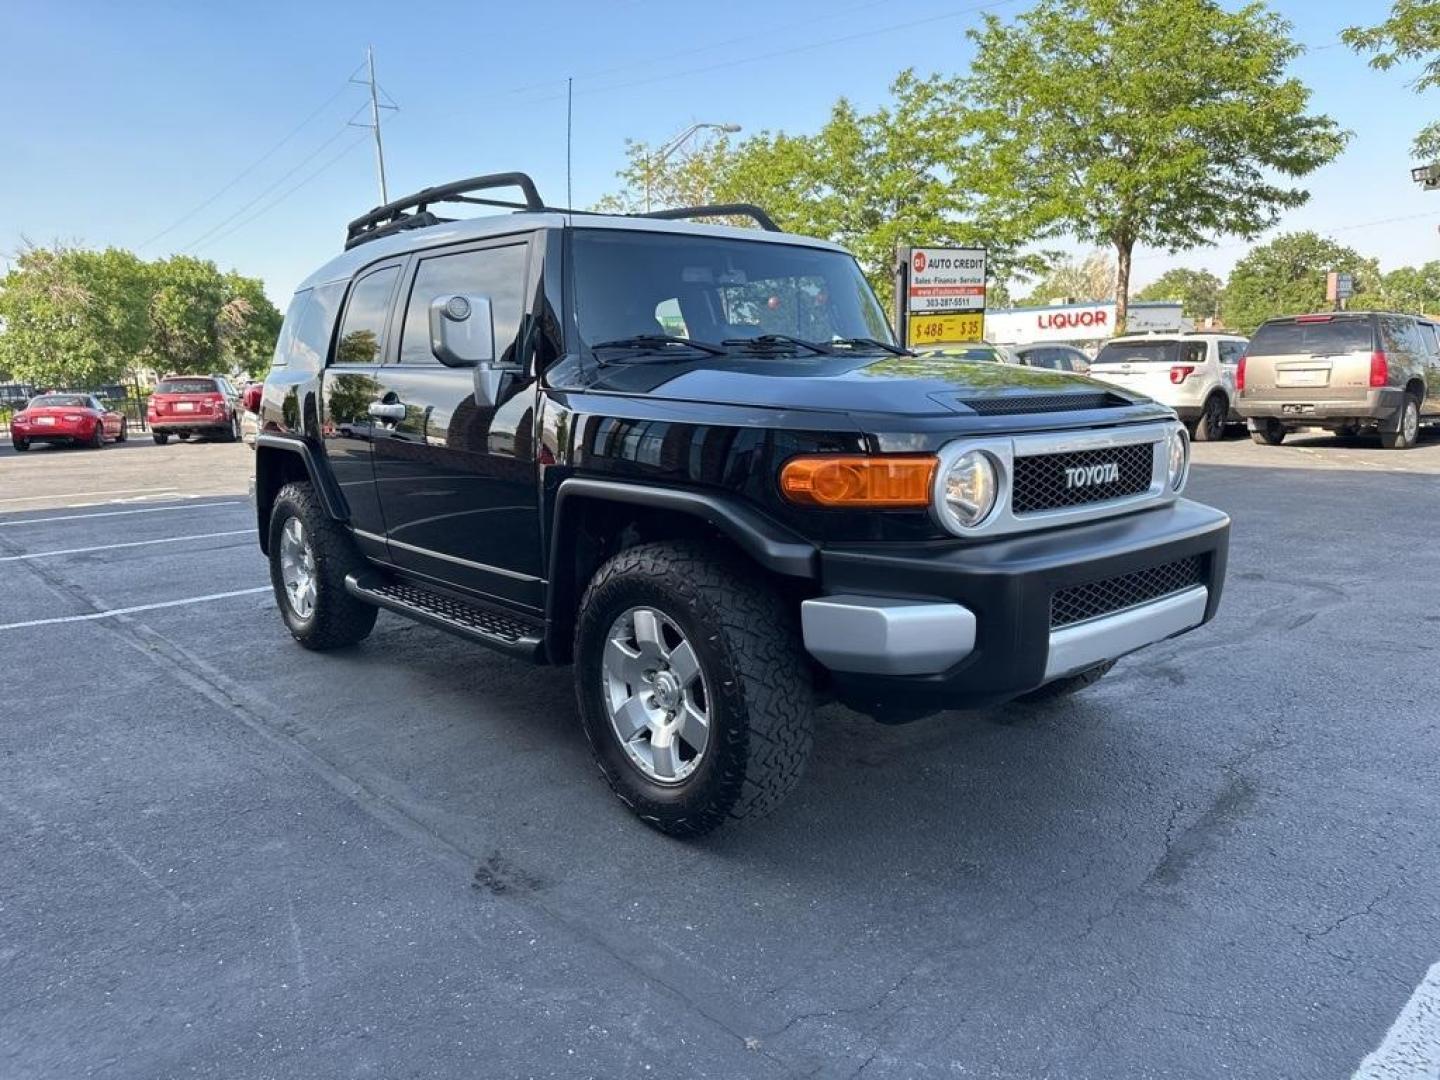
(280, 460)
(594, 519)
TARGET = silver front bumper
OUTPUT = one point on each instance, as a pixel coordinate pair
(879, 636)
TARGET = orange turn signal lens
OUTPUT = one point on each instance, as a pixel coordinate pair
(856, 480)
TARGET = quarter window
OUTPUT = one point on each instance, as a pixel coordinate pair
(305, 334)
(364, 323)
(497, 273)
(1427, 335)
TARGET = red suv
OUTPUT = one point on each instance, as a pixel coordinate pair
(185, 405)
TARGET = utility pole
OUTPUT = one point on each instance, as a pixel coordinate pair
(375, 106)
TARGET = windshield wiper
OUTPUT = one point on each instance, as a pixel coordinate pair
(873, 343)
(769, 341)
(657, 343)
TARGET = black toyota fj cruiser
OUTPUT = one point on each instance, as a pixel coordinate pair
(691, 461)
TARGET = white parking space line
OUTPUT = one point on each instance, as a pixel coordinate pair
(1411, 1049)
(120, 513)
(127, 544)
(86, 494)
(92, 616)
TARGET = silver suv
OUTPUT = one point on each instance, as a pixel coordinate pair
(1347, 372)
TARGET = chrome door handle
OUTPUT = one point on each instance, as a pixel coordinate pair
(387, 410)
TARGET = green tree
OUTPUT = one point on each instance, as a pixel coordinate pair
(204, 321)
(1411, 33)
(1411, 289)
(685, 178)
(1165, 123)
(1093, 278)
(1287, 277)
(1198, 290)
(72, 317)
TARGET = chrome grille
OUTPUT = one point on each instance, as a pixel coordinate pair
(1040, 481)
(1093, 599)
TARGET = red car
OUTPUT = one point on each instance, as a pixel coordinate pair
(185, 405)
(79, 419)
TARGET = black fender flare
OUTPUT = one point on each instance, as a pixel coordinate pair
(267, 445)
(770, 545)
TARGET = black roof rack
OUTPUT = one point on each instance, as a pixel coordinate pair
(393, 217)
(682, 213)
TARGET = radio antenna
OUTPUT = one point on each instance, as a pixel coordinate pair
(569, 128)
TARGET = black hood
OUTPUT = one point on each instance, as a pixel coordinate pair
(898, 385)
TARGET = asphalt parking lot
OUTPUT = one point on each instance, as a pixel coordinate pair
(226, 856)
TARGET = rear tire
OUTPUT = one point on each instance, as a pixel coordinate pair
(1068, 685)
(717, 629)
(232, 434)
(160, 437)
(308, 563)
(183, 436)
(21, 445)
(1210, 425)
(1271, 434)
(97, 440)
(1407, 430)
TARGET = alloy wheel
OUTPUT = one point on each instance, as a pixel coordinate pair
(297, 568)
(655, 695)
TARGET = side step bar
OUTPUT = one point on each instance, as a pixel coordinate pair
(508, 633)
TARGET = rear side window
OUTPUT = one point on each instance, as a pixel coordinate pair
(1428, 336)
(365, 318)
(498, 273)
(309, 323)
(1402, 338)
(186, 386)
(1320, 337)
(1231, 351)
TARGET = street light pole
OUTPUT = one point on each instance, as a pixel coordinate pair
(659, 156)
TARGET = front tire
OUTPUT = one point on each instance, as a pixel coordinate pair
(1407, 430)
(310, 554)
(1210, 425)
(1272, 433)
(124, 435)
(693, 689)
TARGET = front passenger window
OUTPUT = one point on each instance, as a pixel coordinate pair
(365, 318)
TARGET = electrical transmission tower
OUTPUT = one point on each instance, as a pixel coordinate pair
(375, 106)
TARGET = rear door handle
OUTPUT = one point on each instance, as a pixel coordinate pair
(387, 410)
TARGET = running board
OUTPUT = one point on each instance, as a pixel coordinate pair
(508, 633)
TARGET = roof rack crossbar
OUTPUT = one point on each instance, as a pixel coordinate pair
(750, 210)
(387, 219)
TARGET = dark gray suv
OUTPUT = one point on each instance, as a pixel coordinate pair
(1347, 372)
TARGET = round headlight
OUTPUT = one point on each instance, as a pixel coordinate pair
(969, 488)
(1179, 458)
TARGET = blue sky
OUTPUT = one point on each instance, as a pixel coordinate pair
(122, 119)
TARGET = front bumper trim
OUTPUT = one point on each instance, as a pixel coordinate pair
(873, 635)
(1075, 648)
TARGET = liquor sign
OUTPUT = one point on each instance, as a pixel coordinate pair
(943, 295)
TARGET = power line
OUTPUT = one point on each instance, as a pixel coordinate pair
(266, 156)
(334, 159)
(203, 237)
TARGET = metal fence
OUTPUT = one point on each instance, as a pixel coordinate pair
(126, 398)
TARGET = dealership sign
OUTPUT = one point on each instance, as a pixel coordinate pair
(943, 293)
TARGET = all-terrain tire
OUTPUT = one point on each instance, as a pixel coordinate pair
(337, 619)
(1068, 685)
(747, 640)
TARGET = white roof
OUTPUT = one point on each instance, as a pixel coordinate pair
(344, 266)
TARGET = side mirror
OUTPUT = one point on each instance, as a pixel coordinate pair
(462, 330)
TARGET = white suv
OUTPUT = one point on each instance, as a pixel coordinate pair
(1193, 373)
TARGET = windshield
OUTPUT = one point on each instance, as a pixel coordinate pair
(703, 289)
(1316, 337)
(1145, 352)
(186, 386)
(62, 401)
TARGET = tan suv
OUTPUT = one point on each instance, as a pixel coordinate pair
(1347, 372)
